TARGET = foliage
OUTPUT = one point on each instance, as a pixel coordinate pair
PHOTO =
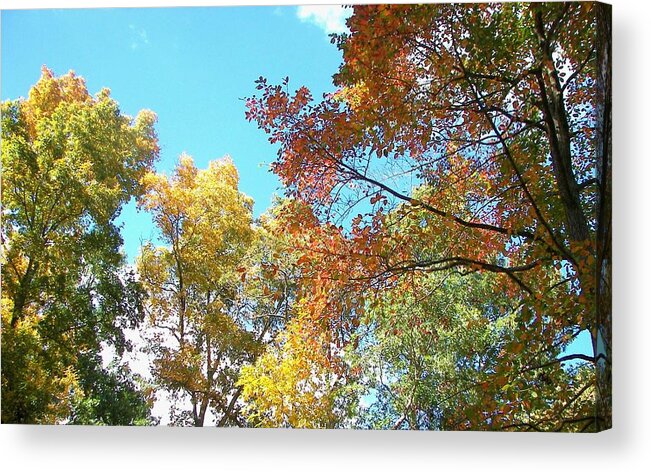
(444, 238)
(112, 396)
(473, 128)
(295, 384)
(436, 348)
(199, 334)
(70, 161)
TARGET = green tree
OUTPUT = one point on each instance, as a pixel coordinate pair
(433, 348)
(69, 162)
(112, 396)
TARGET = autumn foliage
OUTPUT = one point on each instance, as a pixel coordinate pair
(198, 336)
(69, 162)
(464, 139)
(442, 242)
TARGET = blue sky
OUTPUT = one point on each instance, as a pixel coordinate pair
(192, 66)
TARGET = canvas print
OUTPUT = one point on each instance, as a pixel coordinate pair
(369, 216)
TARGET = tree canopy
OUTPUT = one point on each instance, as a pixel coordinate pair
(442, 240)
(69, 162)
(476, 128)
(200, 335)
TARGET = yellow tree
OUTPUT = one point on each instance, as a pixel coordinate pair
(297, 383)
(70, 160)
(302, 379)
(201, 331)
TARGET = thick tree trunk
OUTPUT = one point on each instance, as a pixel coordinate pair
(560, 146)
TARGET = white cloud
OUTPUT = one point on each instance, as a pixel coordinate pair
(138, 37)
(330, 18)
(143, 36)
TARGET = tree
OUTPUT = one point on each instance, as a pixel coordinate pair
(482, 124)
(70, 161)
(302, 380)
(112, 396)
(294, 383)
(434, 349)
(200, 332)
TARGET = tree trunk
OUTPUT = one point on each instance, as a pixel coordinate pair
(558, 132)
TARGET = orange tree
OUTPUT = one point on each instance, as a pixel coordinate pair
(487, 126)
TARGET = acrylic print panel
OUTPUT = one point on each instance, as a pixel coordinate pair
(377, 217)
